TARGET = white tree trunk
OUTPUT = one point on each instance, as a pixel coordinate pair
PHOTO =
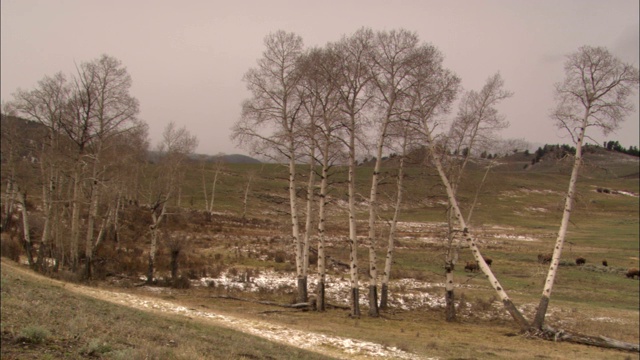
(47, 206)
(25, 225)
(373, 207)
(295, 231)
(308, 220)
(75, 217)
(353, 238)
(557, 250)
(154, 239)
(8, 204)
(213, 191)
(321, 232)
(93, 214)
(453, 202)
(386, 275)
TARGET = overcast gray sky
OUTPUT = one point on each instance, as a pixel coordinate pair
(187, 58)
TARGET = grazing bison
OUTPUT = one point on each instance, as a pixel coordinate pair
(604, 263)
(580, 261)
(631, 273)
(489, 261)
(471, 266)
(544, 258)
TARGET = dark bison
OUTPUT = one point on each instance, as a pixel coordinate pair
(605, 263)
(544, 258)
(489, 261)
(580, 261)
(632, 273)
(471, 266)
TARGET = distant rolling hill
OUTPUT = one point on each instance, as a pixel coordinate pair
(228, 159)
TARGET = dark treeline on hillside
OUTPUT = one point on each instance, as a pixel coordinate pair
(615, 146)
(560, 151)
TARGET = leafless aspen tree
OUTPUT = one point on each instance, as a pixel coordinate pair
(351, 78)
(391, 58)
(318, 66)
(475, 124)
(275, 106)
(594, 93)
(176, 145)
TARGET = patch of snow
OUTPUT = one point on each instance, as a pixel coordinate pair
(608, 319)
(514, 237)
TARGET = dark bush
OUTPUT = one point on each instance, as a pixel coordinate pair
(280, 256)
(10, 247)
(181, 282)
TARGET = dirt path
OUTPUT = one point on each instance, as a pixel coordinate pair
(335, 346)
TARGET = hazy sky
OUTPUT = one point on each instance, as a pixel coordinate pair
(187, 58)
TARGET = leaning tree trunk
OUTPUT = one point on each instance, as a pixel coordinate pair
(453, 202)
(557, 251)
(93, 214)
(386, 275)
(209, 205)
(154, 240)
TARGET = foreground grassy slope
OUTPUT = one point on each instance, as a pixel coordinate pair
(43, 320)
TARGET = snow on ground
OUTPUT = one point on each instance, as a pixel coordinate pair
(514, 237)
(405, 294)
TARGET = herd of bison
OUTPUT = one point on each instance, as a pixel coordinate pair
(472, 266)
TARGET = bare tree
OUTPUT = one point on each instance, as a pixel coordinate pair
(352, 75)
(318, 66)
(105, 84)
(275, 108)
(405, 133)
(46, 104)
(433, 93)
(594, 93)
(176, 145)
(392, 57)
(475, 124)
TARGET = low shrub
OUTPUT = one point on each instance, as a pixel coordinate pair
(96, 347)
(33, 334)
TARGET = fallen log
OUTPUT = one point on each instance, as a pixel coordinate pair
(299, 306)
(304, 305)
(550, 333)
